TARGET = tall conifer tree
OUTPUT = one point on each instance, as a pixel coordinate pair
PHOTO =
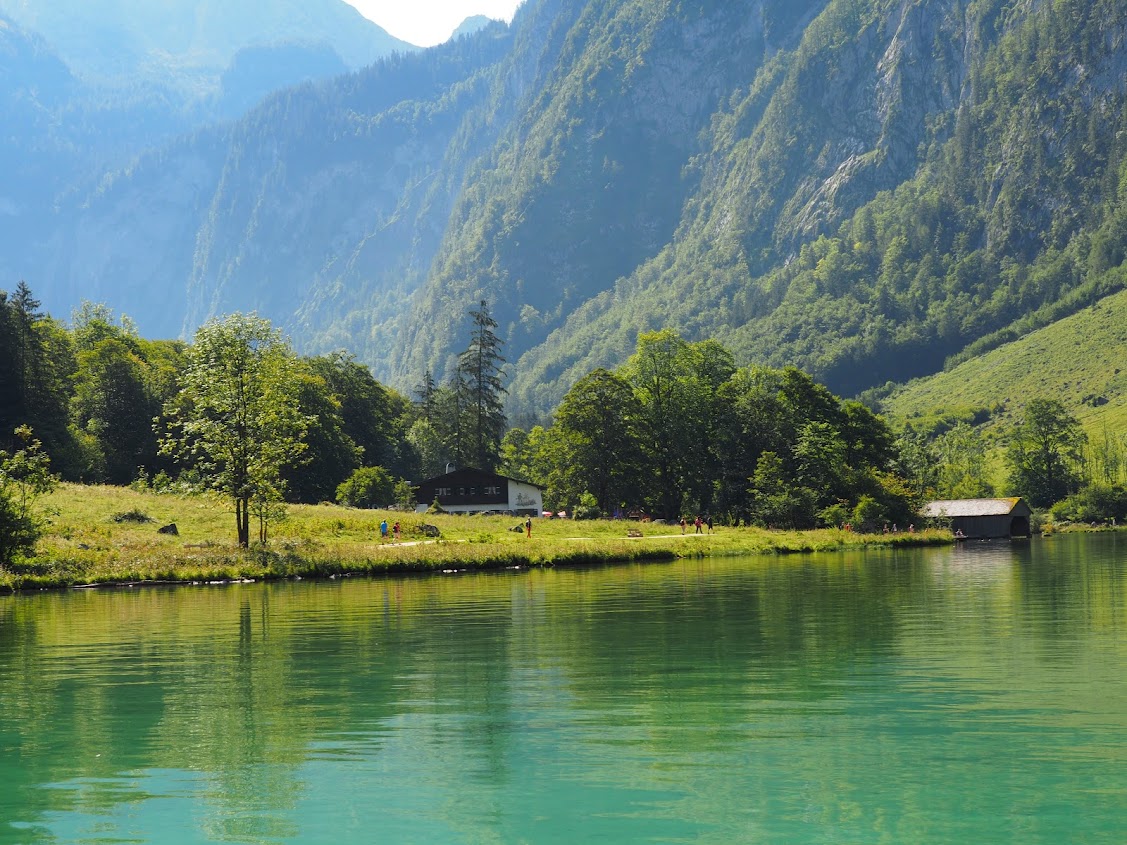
(478, 379)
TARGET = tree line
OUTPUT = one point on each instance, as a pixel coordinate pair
(236, 411)
(677, 430)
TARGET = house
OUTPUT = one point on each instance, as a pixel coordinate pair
(475, 490)
(983, 518)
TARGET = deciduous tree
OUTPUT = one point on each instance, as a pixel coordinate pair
(1045, 452)
(237, 418)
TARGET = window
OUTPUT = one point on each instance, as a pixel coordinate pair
(473, 491)
(442, 491)
(492, 491)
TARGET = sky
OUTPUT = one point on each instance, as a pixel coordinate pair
(429, 22)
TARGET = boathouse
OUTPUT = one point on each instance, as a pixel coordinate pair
(982, 519)
(479, 491)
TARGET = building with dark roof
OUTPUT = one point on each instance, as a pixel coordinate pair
(477, 491)
(982, 519)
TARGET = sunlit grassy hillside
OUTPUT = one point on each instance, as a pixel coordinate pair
(1080, 360)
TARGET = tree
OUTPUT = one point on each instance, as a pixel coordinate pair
(114, 399)
(960, 464)
(1045, 453)
(372, 415)
(595, 440)
(330, 454)
(237, 418)
(25, 476)
(656, 373)
(777, 503)
(479, 384)
(367, 487)
(428, 444)
(36, 364)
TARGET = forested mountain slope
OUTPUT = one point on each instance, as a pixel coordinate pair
(959, 170)
(861, 188)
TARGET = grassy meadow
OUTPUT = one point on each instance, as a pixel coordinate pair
(1080, 360)
(108, 535)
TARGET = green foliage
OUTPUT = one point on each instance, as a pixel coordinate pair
(117, 393)
(369, 487)
(404, 495)
(587, 507)
(480, 392)
(25, 477)
(36, 364)
(960, 461)
(595, 444)
(1044, 454)
(868, 515)
(1096, 503)
(237, 417)
(331, 453)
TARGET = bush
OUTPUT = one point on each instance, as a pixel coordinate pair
(367, 487)
(588, 507)
(835, 515)
(24, 477)
(869, 514)
(1097, 503)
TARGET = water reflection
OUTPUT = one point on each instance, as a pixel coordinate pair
(912, 696)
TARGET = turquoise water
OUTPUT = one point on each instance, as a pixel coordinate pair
(974, 694)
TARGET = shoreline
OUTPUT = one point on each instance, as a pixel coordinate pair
(108, 537)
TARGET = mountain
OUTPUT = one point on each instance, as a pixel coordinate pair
(471, 25)
(862, 188)
(187, 41)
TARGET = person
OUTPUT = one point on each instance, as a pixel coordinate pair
(683, 523)
(698, 523)
(709, 523)
(528, 527)
(383, 530)
(396, 530)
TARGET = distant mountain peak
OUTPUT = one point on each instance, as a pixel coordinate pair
(471, 25)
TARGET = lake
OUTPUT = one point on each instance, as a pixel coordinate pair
(967, 694)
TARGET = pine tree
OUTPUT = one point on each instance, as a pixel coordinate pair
(478, 379)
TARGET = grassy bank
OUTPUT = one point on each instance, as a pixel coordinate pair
(108, 535)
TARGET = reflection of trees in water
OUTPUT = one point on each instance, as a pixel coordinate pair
(245, 685)
(1069, 584)
(794, 623)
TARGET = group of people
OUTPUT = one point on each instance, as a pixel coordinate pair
(698, 523)
(383, 531)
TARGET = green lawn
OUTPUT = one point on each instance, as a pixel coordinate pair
(88, 543)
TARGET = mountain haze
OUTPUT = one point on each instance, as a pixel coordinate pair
(862, 188)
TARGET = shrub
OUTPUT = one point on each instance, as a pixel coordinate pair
(868, 514)
(367, 487)
(24, 478)
(588, 507)
(1096, 503)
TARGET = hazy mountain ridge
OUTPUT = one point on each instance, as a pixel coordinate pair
(858, 187)
(106, 41)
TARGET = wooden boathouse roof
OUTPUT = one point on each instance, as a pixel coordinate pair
(974, 507)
